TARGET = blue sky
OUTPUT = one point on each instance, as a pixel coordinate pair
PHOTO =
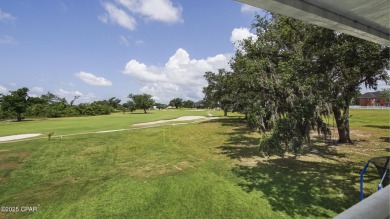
(111, 48)
(101, 49)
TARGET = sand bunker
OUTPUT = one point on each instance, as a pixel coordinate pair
(17, 137)
(183, 118)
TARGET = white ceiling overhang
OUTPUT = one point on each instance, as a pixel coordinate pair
(369, 20)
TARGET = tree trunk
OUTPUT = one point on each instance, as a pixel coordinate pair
(19, 117)
(342, 123)
(262, 127)
(307, 132)
(144, 110)
(225, 113)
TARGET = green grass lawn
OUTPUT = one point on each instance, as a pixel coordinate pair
(62, 126)
(202, 170)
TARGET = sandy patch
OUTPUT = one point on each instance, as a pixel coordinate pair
(118, 130)
(17, 137)
(183, 118)
(188, 118)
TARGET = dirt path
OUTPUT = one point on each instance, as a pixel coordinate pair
(17, 137)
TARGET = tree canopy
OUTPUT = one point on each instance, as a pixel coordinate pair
(219, 92)
(16, 101)
(142, 101)
(129, 105)
(292, 76)
(385, 94)
(189, 104)
(18, 104)
(177, 103)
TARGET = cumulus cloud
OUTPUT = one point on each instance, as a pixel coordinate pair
(6, 17)
(3, 90)
(180, 77)
(117, 16)
(239, 34)
(8, 40)
(122, 12)
(248, 9)
(37, 89)
(91, 79)
(69, 95)
(158, 10)
(143, 72)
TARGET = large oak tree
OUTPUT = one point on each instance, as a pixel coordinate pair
(218, 93)
(299, 72)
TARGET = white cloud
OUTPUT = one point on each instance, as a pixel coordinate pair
(127, 41)
(13, 84)
(37, 89)
(123, 40)
(180, 77)
(118, 16)
(142, 72)
(69, 95)
(248, 9)
(3, 90)
(6, 17)
(139, 42)
(239, 34)
(91, 79)
(158, 10)
(33, 95)
(8, 40)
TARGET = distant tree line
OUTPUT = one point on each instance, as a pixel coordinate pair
(17, 104)
(292, 76)
(180, 103)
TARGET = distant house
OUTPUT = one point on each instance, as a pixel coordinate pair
(372, 99)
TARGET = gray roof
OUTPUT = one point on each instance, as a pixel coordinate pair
(371, 95)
